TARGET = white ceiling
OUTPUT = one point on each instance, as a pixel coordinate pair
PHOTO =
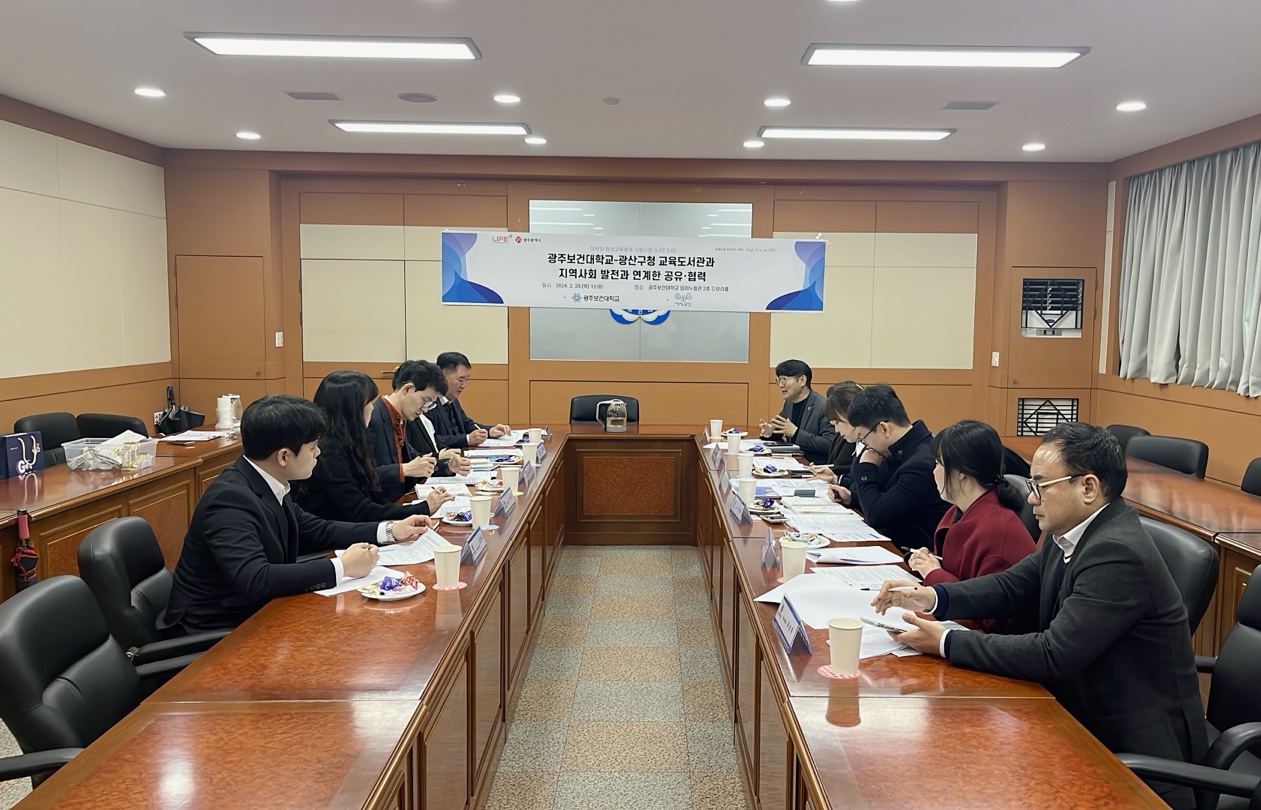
(691, 74)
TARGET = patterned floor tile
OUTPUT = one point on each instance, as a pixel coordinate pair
(534, 745)
(561, 633)
(627, 700)
(630, 664)
(706, 700)
(568, 606)
(634, 585)
(696, 632)
(578, 790)
(555, 663)
(549, 700)
(575, 564)
(690, 584)
(526, 790)
(686, 565)
(700, 664)
(725, 790)
(637, 564)
(632, 607)
(632, 633)
(625, 746)
(639, 551)
(692, 606)
(576, 584)
(711, 745)
(582, 551)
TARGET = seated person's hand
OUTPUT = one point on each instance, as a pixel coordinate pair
(922, 561)
(926, 637)
(783, 425)
(839, 494)
(437, 498)
(411, 527)
(764, 429)
(359, 560)
(459, 465)
(477, 437)
(499, 431)
(420, 467)
(870, 456)
(909, 595)
(448, 453)
(823, 472)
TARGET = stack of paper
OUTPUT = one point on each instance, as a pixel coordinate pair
(825, 523)
(505, 441)
(855, 555)
(819, 598)
(867, 577)
(815, 505)
(474, 477)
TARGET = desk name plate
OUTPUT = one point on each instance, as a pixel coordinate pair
(527, 473)
(770, 559)
(540, 454)
(505, 503)
(739, 510)
(474, 549)
(790, 629)
(715, 454)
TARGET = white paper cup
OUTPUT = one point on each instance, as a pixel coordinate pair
(511, 476)
(530, 452)
(747, 489)
(480, 506)
(733, 443)
(715, 428)
(792, 558)
(746, 464)
(446, 562)
(536, 435)
(845, 636)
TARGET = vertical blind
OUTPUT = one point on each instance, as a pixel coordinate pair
(1191, 274)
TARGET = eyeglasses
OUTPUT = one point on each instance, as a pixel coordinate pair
(1036, 486)
(873, 429)
(786, 380)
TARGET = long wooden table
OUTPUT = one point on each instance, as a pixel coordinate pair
(344, 702)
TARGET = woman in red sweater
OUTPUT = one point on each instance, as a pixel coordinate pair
(982, 534)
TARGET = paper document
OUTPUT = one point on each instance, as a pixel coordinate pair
(866, 576)
(826, 524)
(818, 598)
(459, 503)
(474, 477)
(196, 436)
(815, 506)
(504, 441)
(352, 583)
(857, 532)
(745, 444)
(423, 490)
(855, 555)
(493, 451)
(786, 487)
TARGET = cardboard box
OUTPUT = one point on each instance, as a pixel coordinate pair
(23, 453)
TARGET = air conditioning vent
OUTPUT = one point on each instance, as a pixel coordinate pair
(969, 105)
(312, 95)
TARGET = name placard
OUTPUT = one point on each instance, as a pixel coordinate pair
(527, 473)
(506, 503)
(770, 559)
(541, 454)
(474, 549)
(739, 510)
(547, 431)
(790, 629)
(715, 454)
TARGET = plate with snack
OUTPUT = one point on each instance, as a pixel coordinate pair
(392, 589)
(491, 486)
(762, 506)
(769, 471)
(811, 539)
(735, 432)
(758, 450)
(458, 519)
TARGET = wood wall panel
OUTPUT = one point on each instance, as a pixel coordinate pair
(135, 391)
(1056, 224)
(825, 216)
(334, 208)
(899, 216)
(659, 403)
(455, 210)
(168, 511)
(63, 126)
(639, 486)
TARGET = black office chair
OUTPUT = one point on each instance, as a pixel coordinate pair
(1251, 482)
(583, 408)
(55, 430)
(1026, 512)
(1184, 455)
(1126, 432)
(66, 682)
(109, 425)
(121, 562)
(1234, 718)
(1014, 463)
(1192, 562)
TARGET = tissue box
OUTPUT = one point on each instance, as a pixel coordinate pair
(109, 454)
(23, 453)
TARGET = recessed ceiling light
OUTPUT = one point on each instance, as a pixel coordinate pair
(150, 92)
(711, 215)
(854, 133)
(939, 56)
(598, 228)
(777, 101)
(753, 143)
(588, 215)
(415, 128)
(1124, 106)
(247, 135)
(507, 98)
(536, 140)
(418, 98)
(342, 47)
(1034, 146)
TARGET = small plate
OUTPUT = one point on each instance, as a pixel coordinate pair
(758, 472)
(734, 432)
(488, 487)
(450, 521)
(371, 592)
(811, 539)
(758, 450)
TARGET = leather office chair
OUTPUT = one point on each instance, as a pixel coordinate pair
(1014, 463)
(109, 425)
(1026, 511)
(583, 408)
(1184, 455)
(55, 430)
(122, 564)
(1126, 432)
(1192, 562)
(1234, 719)
(1251, 482)
(66, 682)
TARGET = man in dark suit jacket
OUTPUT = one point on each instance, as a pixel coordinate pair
(1113, 644)
(403, 448)
(454, 427)
(801, 421)
(246, 534)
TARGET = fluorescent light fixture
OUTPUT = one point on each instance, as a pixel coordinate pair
(588, 215)
(247, 135)
(711, 215)
(418, 128)
(536, 140)
(753, 143)
(337, 47)
(777, 101)
(507, 98)
(1034, 146)
(939, 56)
(150, 92)
(706, 228)
(854, 133)
(1124, 106)
(598, 228)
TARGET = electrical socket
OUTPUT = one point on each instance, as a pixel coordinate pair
(994, 359)
(280, 340)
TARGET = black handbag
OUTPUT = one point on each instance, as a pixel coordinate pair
(178, 419)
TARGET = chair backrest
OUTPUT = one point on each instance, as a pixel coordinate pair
(1026, 511)
(1184, 455)
(1252, 477)
(583, 408)
(109, 425)
(122, 563)
(1233, 696)
(1014, 463)
(65, 680)
(1192, 563)
(55, 430)
(1126, 432)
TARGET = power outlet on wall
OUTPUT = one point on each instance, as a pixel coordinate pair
(994, 359)
(280, 340)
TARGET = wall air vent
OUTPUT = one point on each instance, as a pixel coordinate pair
(312, 95)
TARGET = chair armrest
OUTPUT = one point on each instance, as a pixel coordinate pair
(35, 763)
(1205, 663)
(1194, 776)
(175, 647)
(1231, 743)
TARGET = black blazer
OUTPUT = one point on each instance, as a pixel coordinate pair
(384, 452)
(1113, 644)
(898, 497)
(814, 434)
(841, 456)
(336, 492)
(453, 425)
(241, 551)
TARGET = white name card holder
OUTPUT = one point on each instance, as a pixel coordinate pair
(739, 510)
(770, 560)
(547, 431)
(474, 549)
(527, 473)
(790, 629)
(540, 454)
(505, 504)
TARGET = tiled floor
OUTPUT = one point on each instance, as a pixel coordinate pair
(11, 792)
(623, 705)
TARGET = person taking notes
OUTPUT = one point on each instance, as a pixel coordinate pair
(455, 427)
(844, 451)
(401, 447)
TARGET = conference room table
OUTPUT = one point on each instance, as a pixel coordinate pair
(346, 702)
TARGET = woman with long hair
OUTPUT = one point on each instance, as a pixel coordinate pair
(844, 447)
(982, 533)
(344, 485)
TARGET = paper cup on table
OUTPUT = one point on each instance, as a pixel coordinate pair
(511, 476)
(733, 443)
(715, 429)
(446, 562)
(536, 435)
(480, 506)
(746, 465)
(845, 637)
(792, 558)
(748, 487)
(530, 452)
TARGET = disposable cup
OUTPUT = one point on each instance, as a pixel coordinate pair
(792, 558)
(845, 636)
(747, 489)
(480, 506)
(530, 452)
(511, 476)
(715, 428)
(746, 464)
(536, 435)
(733, 443)
(446, 562)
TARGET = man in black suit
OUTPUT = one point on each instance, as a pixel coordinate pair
(403, 441)
(454, 427)
(243, 543)
(800, 421)
(1113, 644)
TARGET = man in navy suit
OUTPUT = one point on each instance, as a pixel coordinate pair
(454, 427)
(246, 534)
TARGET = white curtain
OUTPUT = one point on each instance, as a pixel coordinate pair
(1191, 274)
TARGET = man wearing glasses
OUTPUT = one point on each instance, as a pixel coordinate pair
(1113, 644)
(801, 421)
(403, 443)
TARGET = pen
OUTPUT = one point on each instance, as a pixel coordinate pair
(894, 589)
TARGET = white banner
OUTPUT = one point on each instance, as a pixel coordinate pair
(634, 274)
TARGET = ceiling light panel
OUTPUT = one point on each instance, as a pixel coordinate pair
(336, 47)
(417, 128)
(939, 56)
(854, 134)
